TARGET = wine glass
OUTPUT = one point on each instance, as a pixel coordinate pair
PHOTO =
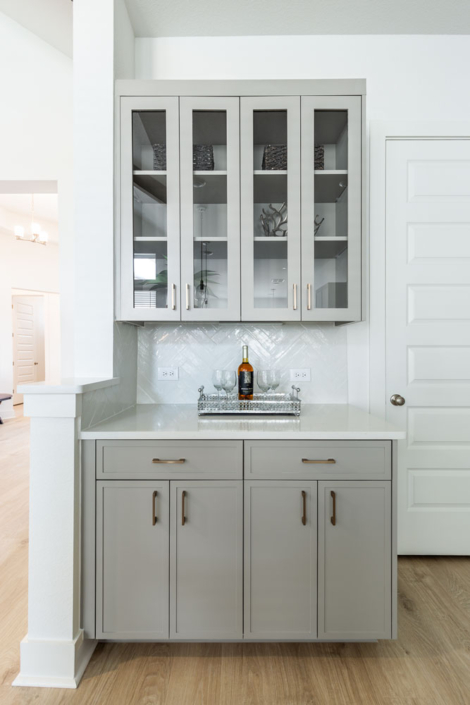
(273, 379)
(229, 381)
(218, 380)
(263, 382)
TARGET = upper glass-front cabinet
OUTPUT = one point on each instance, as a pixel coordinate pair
(150, 237)
(210, 209)
(241, 208)
(270, 208)
(331, 208)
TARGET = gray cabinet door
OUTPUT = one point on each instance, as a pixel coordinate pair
(206, 559)
(354, 560)
(132, 560)
(280, 559)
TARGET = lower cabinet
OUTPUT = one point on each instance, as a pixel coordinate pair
(354, 560)
(280, 559)
(132, 559)
(206, 559)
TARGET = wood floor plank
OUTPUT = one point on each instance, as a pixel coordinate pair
(429, 664)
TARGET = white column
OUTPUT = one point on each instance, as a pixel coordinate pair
(54, 653)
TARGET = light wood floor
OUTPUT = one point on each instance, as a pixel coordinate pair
(429, 664)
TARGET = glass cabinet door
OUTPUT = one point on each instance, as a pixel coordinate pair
(210, 209)
(270, 208)
(150, 238)
(331, 208)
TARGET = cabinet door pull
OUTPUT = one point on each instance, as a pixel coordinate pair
(187, 297)
(309, 297)
(183, 518)
(295, 296)
(329, 461)
(304, 507)
(173, 297)
(159, 461)
(333, 516)
(154, 511)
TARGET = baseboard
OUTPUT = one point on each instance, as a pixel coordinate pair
(54, 663)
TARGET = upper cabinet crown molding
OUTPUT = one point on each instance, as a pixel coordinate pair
(229, 235)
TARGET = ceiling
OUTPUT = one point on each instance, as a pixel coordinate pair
(45, 205)
(51, 20)
(195, 18)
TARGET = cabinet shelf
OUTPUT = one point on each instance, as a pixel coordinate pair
(148, 172)
(329, 247)
(150, 239)
(334, 172)
(270, 239)
(214, 189)
(210, 239)
(217, 172)
(151, 186)
(270, 172)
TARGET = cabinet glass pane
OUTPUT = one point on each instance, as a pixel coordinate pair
(150, 209)
(270, 208)
(210, 209)
(330, 227)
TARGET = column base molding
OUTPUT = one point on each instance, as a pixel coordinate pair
(53, 663)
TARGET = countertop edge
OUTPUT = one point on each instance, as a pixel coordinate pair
(243, 436)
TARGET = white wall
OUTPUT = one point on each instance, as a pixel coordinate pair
(36, 143)
(408, 78)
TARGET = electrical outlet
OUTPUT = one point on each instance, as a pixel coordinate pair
(167, 374)
(300, 375)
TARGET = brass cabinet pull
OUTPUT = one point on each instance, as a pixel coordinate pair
(295, 296)
(304, 507)
(154, 511)
(183, 518)
(309, 297)
(187, 297)
(159, 461)
(329, 461)
(333, 517)
(173, 297)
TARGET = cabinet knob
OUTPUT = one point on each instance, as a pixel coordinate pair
(397, 400)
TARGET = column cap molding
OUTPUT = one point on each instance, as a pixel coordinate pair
(72, 385)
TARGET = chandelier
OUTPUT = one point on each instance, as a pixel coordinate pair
(35, 234)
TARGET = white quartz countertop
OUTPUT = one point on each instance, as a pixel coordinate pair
(180, 421)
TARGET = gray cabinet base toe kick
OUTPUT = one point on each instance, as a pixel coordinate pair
(177, 545)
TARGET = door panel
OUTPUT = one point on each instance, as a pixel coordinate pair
(132, 600)
(428, 340)
(28, 342)
(150, 209)
(270, 208)
(331, 208)
(206, 560)
(354, 560)
(280, 559)
(210, 209)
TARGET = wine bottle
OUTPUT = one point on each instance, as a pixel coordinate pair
(245, 377)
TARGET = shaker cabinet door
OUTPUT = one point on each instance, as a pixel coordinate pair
(206, 559)
(354, 560)
(132, 560)
(280, 559)
(270, 208)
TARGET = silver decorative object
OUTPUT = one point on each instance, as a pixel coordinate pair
(272, 223)
(317, 225)
(203, 157)
(159, 157)
(274, 404)
(275, 157)
(319, 157)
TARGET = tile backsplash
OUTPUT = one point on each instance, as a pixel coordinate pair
(200, 348)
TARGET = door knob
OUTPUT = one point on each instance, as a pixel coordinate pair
(36, 363)
(397, 400)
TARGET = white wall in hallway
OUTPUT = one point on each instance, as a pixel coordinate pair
(408, 77)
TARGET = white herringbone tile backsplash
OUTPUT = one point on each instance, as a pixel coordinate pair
(200, 348)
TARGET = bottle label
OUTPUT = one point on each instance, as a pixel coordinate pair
(245, 382)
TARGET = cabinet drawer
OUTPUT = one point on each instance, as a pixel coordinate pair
(169, 460)
(318, 460)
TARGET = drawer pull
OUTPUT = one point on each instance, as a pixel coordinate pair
(333, 516)
(154, 511)
(173, 297)
(187, 297)
(169, 462)
(295, 297)
(304, 507)
(309, 297)
(183, 518)
(329, 461)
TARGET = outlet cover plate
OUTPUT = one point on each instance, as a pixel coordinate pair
(167, 374)
(300, 375)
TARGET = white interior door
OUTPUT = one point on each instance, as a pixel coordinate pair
(428, 339)
(28, 342)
